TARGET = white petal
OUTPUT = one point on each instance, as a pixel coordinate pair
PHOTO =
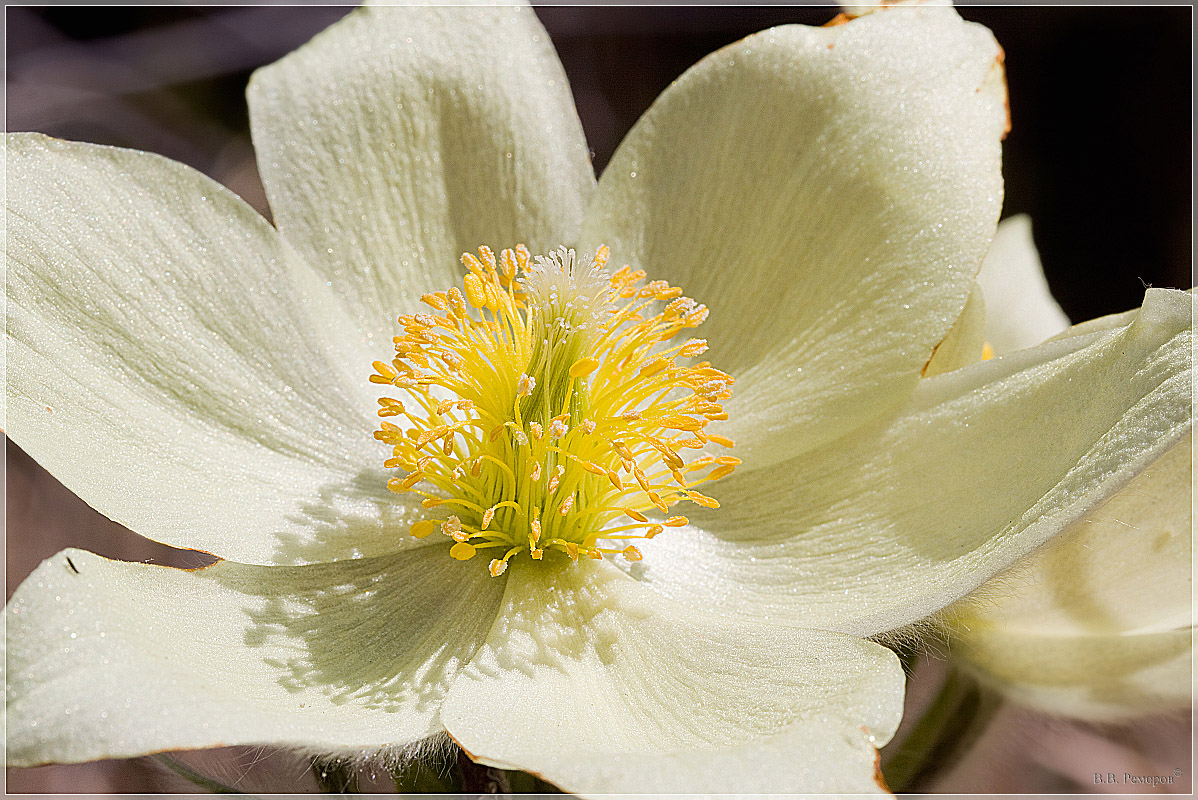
(829, 193)
(176, 365)
(1108, 322)
(1020, 309)
(986, 463)
(112, 659)
(965, 343)
(1101, 678)
(1099, 623)
(598, 685)
(403, 136)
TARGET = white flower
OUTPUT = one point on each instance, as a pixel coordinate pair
(1099, 624)
(197, 375)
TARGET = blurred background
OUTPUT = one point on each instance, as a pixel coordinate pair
(1099, 155)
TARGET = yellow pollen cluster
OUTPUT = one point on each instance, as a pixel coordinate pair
(542, 408)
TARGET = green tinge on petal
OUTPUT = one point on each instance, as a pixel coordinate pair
(402, 137)
(1099, 623)
(175, 364)
(829, 194)
(986, 463)
(599, 685)
(112, 659)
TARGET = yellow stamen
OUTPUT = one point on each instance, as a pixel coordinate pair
(462, 551)
(550, 367)
(583, 367)
(423, 528)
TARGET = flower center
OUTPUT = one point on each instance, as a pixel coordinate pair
(548, 411)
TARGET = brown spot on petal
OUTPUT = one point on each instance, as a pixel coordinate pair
(453, 739)
(923, 372)
(1000, 61)
(878, 777)
(839, 19)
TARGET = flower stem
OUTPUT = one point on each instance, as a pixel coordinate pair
(191, 776)
(951, 726)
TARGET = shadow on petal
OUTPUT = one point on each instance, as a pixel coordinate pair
(358, 518)
(387, 633)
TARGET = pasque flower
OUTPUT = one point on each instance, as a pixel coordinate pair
(824, 195)
(1099, 624)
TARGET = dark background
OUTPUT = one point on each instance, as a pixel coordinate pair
(1099, 155)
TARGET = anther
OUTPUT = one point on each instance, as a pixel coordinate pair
(423, 528)
(476, 293)
(488, 256)
(436, 300)
(703, 500)
(507, 262)
(462, 551)
(457, 303)
(583, 367)
(471, 262)
(720, 472)
(403, 484)
(385, 374)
